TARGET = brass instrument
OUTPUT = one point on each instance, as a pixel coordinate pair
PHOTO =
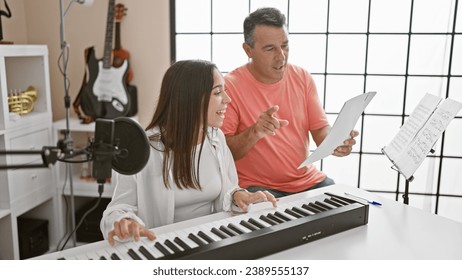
(23, 102)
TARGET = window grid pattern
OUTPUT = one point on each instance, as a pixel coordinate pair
(427, 192)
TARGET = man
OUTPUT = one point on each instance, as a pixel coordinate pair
(275, 107)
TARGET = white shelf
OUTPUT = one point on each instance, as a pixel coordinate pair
(4, 213)
(24, 192)
(22, 66)
(74, 125)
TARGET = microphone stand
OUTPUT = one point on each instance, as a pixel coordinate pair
(49, 156)
(67, 141)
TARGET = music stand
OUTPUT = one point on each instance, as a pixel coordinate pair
(405, 195)
(418, 135)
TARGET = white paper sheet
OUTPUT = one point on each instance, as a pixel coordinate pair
(340, 131)
(414, 123)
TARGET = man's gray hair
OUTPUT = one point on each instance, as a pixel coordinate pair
(262, 16)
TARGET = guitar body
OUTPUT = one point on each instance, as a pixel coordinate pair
(88, 101)
(105, 94)
(110, 88)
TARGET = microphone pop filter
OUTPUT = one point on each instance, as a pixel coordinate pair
(133, 146)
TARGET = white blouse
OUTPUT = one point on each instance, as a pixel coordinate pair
(144, 197)
(191, 203)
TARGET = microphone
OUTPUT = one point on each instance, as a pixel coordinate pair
(103, 150)
(120, 144)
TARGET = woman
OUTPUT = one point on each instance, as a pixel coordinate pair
(190, 172)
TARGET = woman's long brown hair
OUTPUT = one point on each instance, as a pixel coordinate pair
(181, 112)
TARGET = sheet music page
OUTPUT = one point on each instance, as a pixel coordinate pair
(340, 131)
(411, 126)
(414, 154)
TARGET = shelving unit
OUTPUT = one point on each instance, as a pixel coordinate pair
(24, 192)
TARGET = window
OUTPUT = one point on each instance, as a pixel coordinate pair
(350, 47)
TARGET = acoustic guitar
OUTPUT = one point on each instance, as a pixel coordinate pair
(119, 55)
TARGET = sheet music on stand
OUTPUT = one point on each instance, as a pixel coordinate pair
(419, 133)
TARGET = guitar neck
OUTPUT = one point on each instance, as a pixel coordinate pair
(109, 35)
(117, 44)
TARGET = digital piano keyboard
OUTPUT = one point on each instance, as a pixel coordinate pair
(258, 233)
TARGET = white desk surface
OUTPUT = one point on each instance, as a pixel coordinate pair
(395, 231)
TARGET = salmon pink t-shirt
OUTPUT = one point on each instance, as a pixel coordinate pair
(274, 160)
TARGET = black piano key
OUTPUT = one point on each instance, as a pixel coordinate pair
(316, 206)
(274, 218)
(172, 246)
(62, 259)
(146, 253)
(182, 244)
(331, 202)
(323, 205)
(133, 254)
(293, 213)
(282, 216)
(268, 220)
(114, 256)
(227, 231)
(301, 211)
(205, 237)
(219, 233)
(340, 201)
(162, 249)
(235, 228)
(196, 239)
(248, 225)
(102, 258)
(310, 208)
(256, 223)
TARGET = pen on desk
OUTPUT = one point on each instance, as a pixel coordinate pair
(368, 201)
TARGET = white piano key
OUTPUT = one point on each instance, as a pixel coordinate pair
(81, 257)
(92, 256)
(103, 253)
(121, 251)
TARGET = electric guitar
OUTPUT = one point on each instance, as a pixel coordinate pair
(105, 94)
(119, 54)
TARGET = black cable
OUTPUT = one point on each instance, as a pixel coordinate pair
(100, 192)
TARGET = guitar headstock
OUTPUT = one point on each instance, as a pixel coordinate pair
(120, 12)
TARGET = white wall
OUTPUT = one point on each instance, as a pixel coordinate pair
(145, 34)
